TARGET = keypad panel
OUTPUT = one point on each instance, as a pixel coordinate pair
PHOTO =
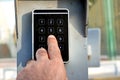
(55, 24)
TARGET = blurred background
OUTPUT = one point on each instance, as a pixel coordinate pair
(7, 40)
(103, 14)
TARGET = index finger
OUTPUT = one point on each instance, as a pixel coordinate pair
(53, 49)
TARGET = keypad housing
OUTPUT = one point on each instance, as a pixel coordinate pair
(47, 22)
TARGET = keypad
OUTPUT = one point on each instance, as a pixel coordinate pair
(55, 23)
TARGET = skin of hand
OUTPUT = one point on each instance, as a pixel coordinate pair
(48, 66)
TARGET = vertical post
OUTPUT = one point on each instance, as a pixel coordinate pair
(109, 26)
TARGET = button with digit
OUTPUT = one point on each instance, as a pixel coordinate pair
(60, 21)
(41, 21)
(50, 30)
(61, 46)
(41, 38)
(60, 30)
(60, 38)
(50, 21)
(41, 30)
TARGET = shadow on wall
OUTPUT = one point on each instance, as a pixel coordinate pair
(26, 40)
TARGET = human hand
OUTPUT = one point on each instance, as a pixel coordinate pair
(48, 66)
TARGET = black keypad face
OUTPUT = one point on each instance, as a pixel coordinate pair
(55, 23)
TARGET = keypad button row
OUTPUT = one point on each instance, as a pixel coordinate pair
(61, 46)
(60, 38)
(51, 30)
(51, 21)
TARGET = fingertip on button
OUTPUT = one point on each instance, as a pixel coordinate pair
(51, 36)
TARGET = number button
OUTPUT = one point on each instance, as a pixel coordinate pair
(50, 30)
(50, 21)
(41, 30)
(60, 38)
(41, 21)
(60, 21)
(41, 39)
(61, 46)
(60, 30)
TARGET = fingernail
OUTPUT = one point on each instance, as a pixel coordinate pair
(51, 36)
(38, 51)
(41, 50)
